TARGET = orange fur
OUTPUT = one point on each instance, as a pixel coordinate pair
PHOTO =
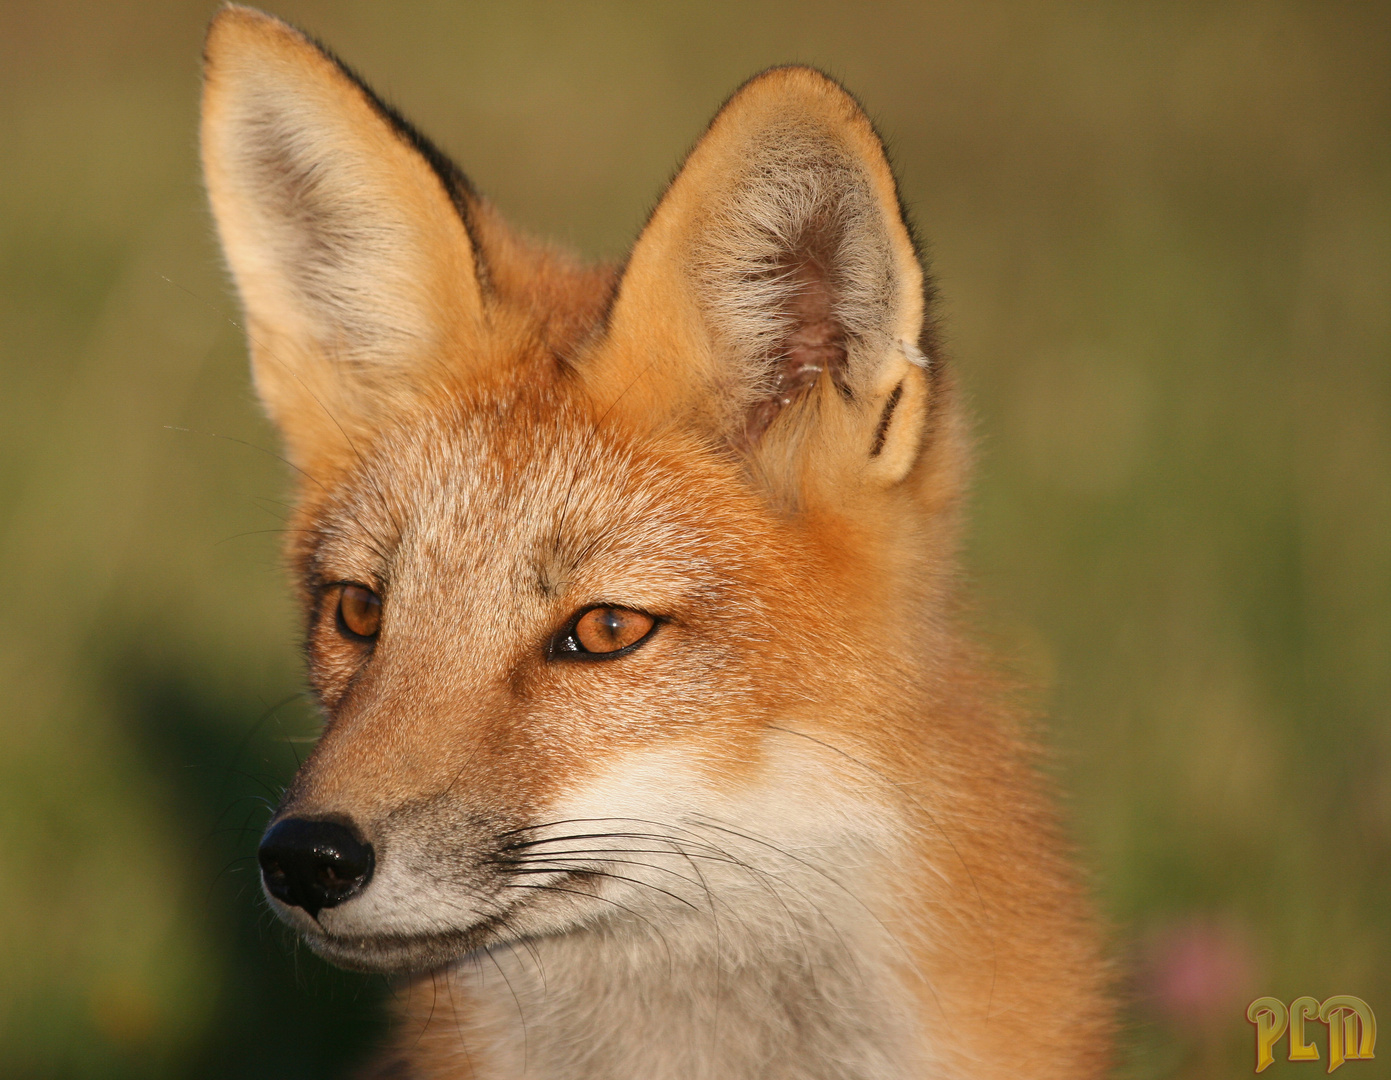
(835, 857)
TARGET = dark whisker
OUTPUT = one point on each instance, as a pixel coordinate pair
(604, 854)
(593, 872)
(606, 900)
(711, 853)
(458, 1027)
(521, 1014)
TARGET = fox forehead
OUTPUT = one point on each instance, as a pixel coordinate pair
(536, 492)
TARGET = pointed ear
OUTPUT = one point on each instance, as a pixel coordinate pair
(346, 232)
(775, 297)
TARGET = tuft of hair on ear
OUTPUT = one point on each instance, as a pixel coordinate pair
(797, 275)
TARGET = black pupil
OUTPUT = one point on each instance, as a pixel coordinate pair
(611, 625)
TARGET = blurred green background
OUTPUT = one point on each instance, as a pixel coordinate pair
(1163, 234)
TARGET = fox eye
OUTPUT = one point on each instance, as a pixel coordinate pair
(359, 611)
(605, 632)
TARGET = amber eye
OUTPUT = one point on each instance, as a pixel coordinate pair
(603, 631)
(359, 610)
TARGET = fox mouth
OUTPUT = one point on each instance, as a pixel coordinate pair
(400, 954)
(395, 953)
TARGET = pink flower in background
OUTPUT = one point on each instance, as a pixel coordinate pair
(1198, 971)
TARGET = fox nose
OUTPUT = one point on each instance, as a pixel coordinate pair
(314, 864)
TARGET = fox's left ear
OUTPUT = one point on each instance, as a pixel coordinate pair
(775, 298)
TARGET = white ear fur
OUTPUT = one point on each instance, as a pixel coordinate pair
(777, 268)
(345, 232)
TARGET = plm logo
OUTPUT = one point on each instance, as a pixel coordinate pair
(1352, 1029)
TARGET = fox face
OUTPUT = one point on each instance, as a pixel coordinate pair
(629, 601)
(571, 632)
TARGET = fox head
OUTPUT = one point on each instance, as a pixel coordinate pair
(583, 552)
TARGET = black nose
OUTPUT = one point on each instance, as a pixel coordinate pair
(314, 864)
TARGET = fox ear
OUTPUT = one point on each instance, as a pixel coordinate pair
(775, 297)
(347, 233)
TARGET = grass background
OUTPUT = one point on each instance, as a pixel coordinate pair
(1163, 234)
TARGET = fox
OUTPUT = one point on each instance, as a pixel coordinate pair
(656, 742)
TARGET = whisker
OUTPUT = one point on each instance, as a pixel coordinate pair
(711, 853)
(604, 854)
(458, 1026)
(623, 907)
(521, 1014)
(589, 871)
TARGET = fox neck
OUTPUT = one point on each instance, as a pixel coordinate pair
(701, 1000)
(702, 996)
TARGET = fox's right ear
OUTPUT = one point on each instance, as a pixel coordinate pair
(775, 301)
(347, 234)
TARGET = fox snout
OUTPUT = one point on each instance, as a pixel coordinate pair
(314, 864)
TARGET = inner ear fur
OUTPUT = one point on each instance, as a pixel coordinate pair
(775, 297)
(346, 232)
